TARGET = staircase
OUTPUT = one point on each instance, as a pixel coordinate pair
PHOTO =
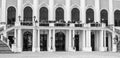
(4, 48)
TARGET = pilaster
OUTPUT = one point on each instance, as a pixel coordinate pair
(67, 11)
(19, 40)
(34, 47)
(97, 10)
(51, 12)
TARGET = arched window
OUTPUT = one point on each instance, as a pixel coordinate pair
(117, 17)
(89, 15)
(75, 15)
(43, 14)
(104, 17)
(11, 16)
(59, 14)
(28, 14)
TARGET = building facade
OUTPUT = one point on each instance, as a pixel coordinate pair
(60, 25)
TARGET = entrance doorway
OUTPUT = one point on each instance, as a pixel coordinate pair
(27, 41)
(93, 41)
(43, 42)
(77, 42)
(60, 41)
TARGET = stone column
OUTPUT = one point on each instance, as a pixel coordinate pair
(51, 10)
(34, 43)
(82, 13)
(111, 14)
(3, 16)
(70, 48)
(19, 40)
(50, 41)
(88, 41)
(67, 14)
(97, 10)
(83, 40)
(101, 41)
(35, 11)
(53, 40)
(38, 44)
(19, 12)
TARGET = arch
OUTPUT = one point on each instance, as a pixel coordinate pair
(89, 15)
(59, 14)
(11, 15)
(28, 13)
(75, 15)
(43, 14)
(60, 41)
(117, 18)
(27, 41)
(104, 16)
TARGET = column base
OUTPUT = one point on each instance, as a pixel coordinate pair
(34, 49)
(102, 48)
(38, 49)
(87, 49)
(70, 49)
(19, 50)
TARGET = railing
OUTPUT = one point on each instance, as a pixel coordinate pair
(27, 23)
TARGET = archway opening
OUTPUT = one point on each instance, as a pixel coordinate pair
(60, 41)
(104, 17)
(43, 15)
(11, 16)
(117, 18)
(59, 14)
(75, 15)
(27, 41)
(28, 13)
(89, 15)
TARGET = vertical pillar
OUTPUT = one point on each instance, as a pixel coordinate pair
(49, 41)
(70, 48)
(67, 11)
(35, 11)
(3, 16)
(34, 46)
(19, 12)
(83, 40)
(97, 10)
(51, 12)
(73, 39)
(82, 13)
(101, 41)
(38, 44)
(88, 41)
(19, 40)
(109, 42)
(111, 14)
(53, 40)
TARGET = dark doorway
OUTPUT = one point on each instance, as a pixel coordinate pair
(118, 46)
(43, 42)
(59, 14)
(77, 42)
(11, 16)
(11, 40)
(117, 18)
(60, 41)
(104, 17)
(43, 14)
(28, 16)
(93, 41)
(89, 15)
(27, 41)
(75, 15)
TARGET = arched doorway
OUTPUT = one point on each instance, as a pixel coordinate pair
(43, 42)
(117, 18)
(60, 41)
(28, 16)
(93, 41)
(104, 17)
(89, 15)
(59, 14)
(11, 16)
(43, 14)
(27, 41)
(75, 15)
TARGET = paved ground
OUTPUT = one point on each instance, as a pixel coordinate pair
(62, 55)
